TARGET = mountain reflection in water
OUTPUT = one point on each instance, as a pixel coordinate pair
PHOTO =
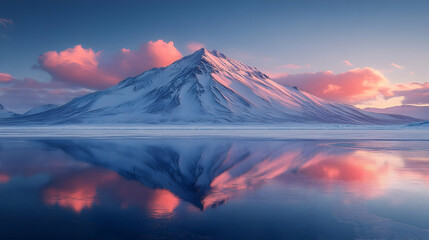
(158, 176)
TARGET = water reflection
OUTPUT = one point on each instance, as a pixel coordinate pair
(166, 177)
(208, 172)
(77, 190)
(202, 172)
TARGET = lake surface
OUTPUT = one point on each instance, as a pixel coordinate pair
(213, 188)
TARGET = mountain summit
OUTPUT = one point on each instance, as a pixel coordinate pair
(205, 87)
(4, 113)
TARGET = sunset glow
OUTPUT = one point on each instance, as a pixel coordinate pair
(214, 119)
(339, 66)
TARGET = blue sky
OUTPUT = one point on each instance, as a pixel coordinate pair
(264, 34)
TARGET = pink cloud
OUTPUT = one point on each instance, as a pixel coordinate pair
(85, 67)
(5, 77)
(348, 63)
(77, 71)
(354, 86)
(413, 93)
(5, 22)
(194, 46)
(397, 66)
(127, 63)
(77, 66)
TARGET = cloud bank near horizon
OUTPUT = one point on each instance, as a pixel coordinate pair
(357, 86)
(78, 70)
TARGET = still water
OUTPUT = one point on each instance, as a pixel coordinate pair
(213, 188)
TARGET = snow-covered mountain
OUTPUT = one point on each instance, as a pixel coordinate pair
(419, 112)
(4, 113)
(204, 87)
(40, 109)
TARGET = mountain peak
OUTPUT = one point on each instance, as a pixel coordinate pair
(1, 107)
(215, 61)
(205, 86)
(205, 53)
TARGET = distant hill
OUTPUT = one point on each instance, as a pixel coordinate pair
(419, 112)
(4, 113)
(40, 109)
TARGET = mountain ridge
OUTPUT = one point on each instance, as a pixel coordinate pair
(419, 112)
(4, 113)
(204, 87)
(40, 109)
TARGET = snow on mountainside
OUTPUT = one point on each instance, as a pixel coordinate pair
(205, 86)
(40, 109)
(5, 113)
(419, 112)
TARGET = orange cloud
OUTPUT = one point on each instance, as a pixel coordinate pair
(194, 46)
(4, 77)
(85, 67)
(354, 86)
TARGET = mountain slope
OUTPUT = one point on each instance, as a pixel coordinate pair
(6, 114)
(204, 87)
(40, 109)
(420, 112)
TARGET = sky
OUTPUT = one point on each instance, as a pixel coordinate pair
(364, 53)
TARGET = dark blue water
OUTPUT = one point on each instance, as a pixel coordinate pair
(199, 188)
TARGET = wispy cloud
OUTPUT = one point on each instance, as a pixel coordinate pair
(413, 93)
(22, 94)
(194, 46)
(5, 77)
(397, 66)
(294, 66)
(348, 63)
(5, 22)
